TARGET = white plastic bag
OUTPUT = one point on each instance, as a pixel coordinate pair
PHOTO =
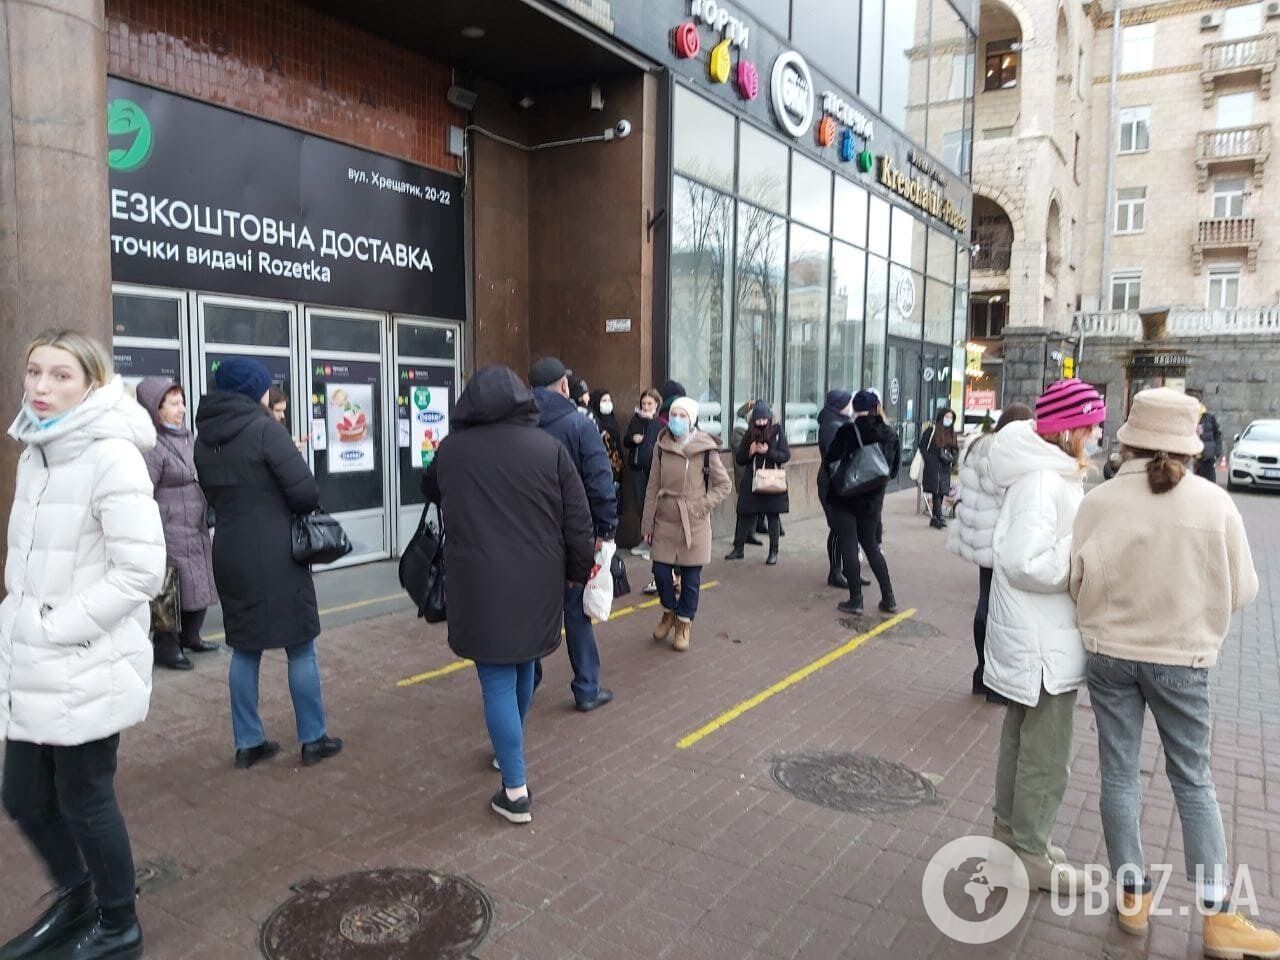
(597, 599)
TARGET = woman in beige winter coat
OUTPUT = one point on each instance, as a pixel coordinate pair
(686, 481)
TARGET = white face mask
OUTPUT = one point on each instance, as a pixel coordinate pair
(948, 421)
(606, 407)
(1092, 448)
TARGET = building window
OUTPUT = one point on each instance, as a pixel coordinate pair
(758, 323)
(1235, 110)
(1126, 290)
(1002, 65)
(1242, 21)
(848, 305)
(703, 140)
(1135, 129)
(1224, 288)
(1228, 198)
(955, 151)
(808, 270)
(1138, 46)
(1131, 206)
(987, 316)
(961, 72)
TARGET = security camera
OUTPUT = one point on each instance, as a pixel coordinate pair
(622, 129)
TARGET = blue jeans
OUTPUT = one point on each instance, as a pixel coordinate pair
(304, 688)
(686, 606)
(507, 689)
(580, 642)
(1121, 691)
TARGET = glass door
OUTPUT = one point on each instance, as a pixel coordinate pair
(346, 377)
(148, 334)
(902, 397)
(263, 329)
(427, 385)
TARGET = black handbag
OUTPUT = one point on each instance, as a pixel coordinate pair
(318, 538)
(859, 471)
(422, 570)
(621, 584)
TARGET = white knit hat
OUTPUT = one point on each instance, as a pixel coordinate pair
(688, 405)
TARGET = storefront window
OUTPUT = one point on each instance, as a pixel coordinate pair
(908, 240)
(246, 325)
(152, 317)
(877, 321)
(939, 309)
(828, 34)
(878, 226)
(701, 248)
(906, 303)
(762, 169)
(761, 270)
(942, 256)
(807, 272)
(848, 303)
(703, 140)
(850, 212)
(810, 192)
(427, 343)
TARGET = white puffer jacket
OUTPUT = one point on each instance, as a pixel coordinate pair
(1032, 637)
(978, 507)
(86, 555)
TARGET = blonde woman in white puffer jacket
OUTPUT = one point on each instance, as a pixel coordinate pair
(86, 554)
(970, 538)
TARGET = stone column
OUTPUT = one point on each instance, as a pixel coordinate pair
(55, 266)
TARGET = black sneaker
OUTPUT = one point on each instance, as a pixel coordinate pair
(322, 749)
(247, 757)
(889, 605)
(850, 606)
(513, 811)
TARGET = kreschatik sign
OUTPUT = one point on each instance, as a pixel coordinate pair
(210, 199)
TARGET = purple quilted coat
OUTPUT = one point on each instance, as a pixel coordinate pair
(182, 504)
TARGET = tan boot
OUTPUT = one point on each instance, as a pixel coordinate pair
(1229, 936)
(665, 626)
(681, 641)
(1004, 834)
(1133, 915)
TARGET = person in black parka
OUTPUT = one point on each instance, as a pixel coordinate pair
(256, 481)
(939, 446)
(518, 529)
(835, 413)
(763, 445)
(856, 520)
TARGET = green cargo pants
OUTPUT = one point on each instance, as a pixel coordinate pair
(1033, 767)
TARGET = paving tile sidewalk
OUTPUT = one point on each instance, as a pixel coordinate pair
(639, 849)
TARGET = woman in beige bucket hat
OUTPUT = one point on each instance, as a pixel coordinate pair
(1159, 561)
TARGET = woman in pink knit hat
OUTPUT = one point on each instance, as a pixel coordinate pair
(1034, 655)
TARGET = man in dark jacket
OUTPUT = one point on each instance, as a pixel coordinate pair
(518, 529)
(1211, 435)
(559, 416)
(255, 480)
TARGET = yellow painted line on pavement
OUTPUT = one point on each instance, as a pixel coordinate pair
(806, 671)
(343, 608)
(457, 665)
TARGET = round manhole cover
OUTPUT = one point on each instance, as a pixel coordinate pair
(852, 782)
(394, 914)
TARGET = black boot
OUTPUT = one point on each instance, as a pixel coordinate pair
(853, 605)
(200, 646)
(168, 652)
(754, 541)
(888, 604)
(71, 914)
(114, 938)
(735, 554)
(836, 579)
(322, 749)
(772, 559)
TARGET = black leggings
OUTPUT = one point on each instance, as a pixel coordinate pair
(980, 625)
(746, 526)
(63, 799)
(858, 526)
(192, 621)
(937, 506)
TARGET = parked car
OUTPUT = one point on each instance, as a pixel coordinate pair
(1255, 456)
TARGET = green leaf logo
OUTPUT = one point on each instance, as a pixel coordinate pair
(127, 126)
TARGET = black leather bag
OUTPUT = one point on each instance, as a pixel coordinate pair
(422, 570)
(318, 538)
(859, 471)
(621, 583)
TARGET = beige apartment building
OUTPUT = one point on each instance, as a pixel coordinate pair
(1125, 225)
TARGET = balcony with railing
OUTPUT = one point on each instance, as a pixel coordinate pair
(1233, 145)
(1234, 233)
(1183, 322)
(993, 257)
(1229, 58)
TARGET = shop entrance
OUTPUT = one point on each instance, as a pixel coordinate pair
(902, 398)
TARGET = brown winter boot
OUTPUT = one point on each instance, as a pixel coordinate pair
(665, 626)
(681, 641)
(1230, 936)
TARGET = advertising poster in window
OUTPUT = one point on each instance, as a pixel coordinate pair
(349, 416)
(425, 402)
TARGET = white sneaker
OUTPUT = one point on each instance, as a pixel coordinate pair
(640, 550)
(651, 587)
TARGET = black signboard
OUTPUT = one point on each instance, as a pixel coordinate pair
(209, 199)
(137, 363)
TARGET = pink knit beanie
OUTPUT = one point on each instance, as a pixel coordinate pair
(1068, 404)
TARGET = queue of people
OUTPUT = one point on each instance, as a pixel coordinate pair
(112, 492)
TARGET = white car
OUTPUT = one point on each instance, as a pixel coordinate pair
(1255, 456)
